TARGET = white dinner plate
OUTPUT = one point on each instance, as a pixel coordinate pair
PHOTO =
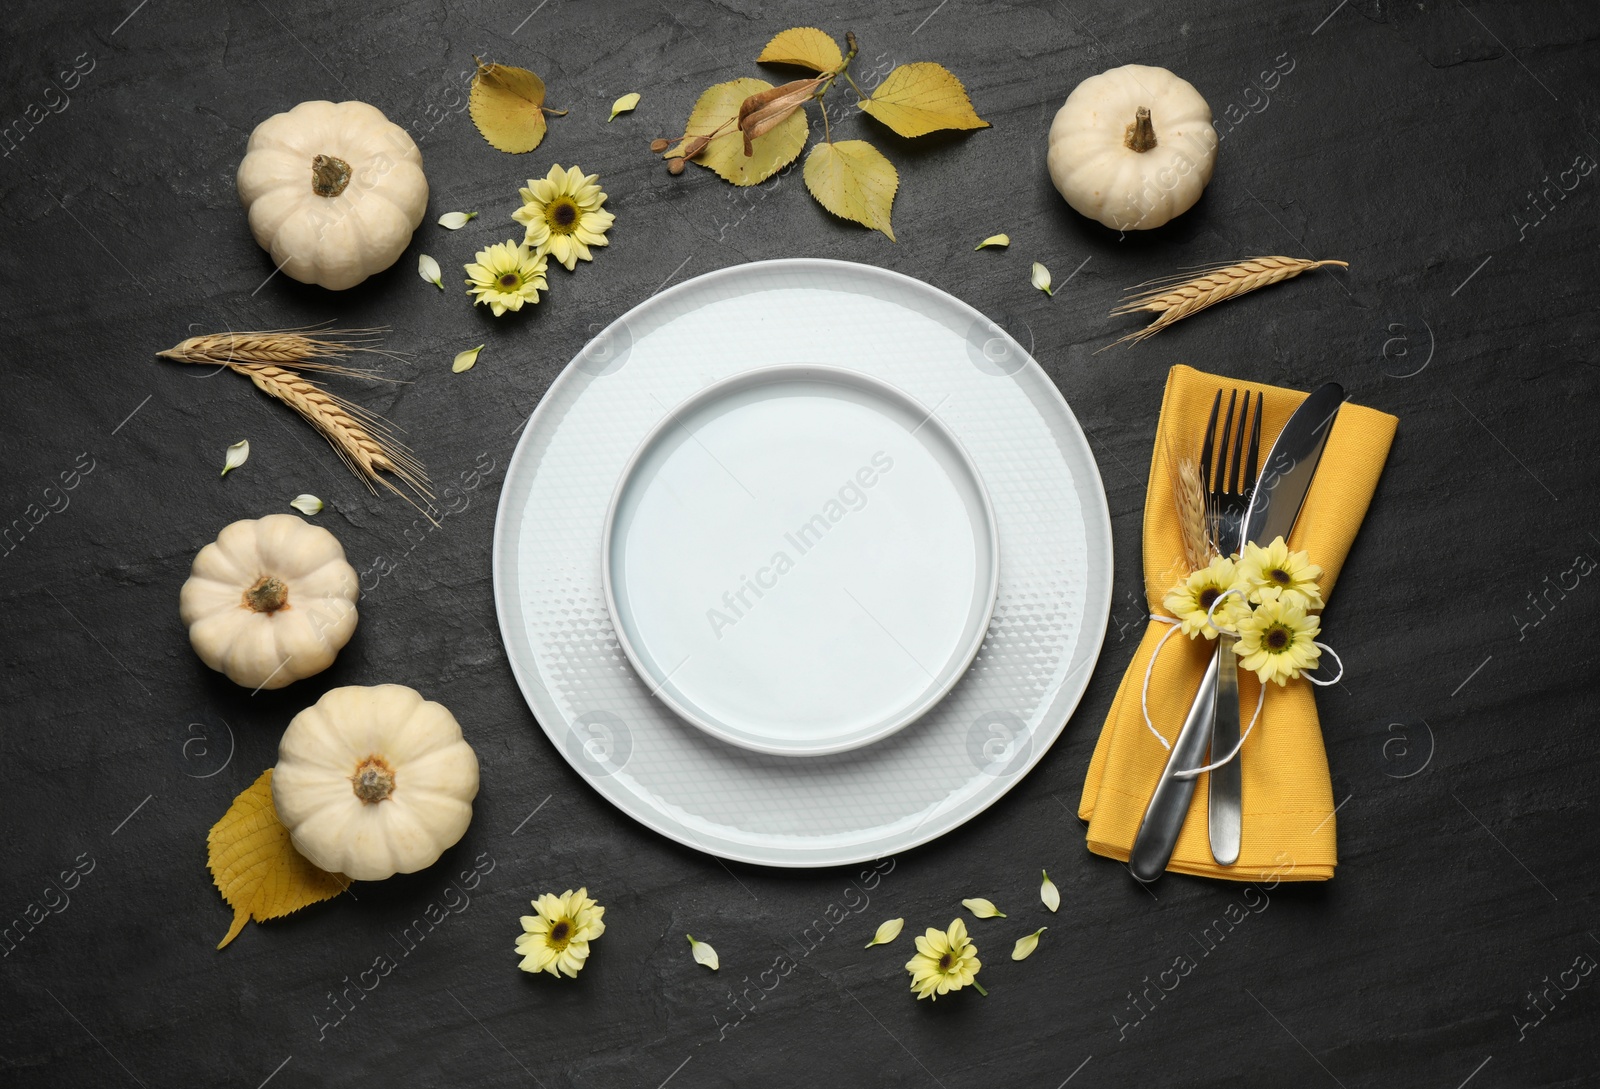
(800, 560)
(967, 750)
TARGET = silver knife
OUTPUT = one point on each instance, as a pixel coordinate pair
(1280, 490)
(1274, 506)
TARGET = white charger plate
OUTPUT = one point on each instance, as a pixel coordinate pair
(800, 560)
(964, 753)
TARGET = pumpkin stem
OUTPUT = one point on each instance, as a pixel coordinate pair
(373, 780)
(1141, 135)
(267, 596)
(329, 175)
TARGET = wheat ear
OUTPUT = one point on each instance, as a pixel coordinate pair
(1174, 298)
(1193, 518)
(364, 440)
(312, 348)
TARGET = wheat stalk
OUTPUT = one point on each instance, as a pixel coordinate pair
(1174, 298)
(1193, 516)
(364, 440)
(295, 348)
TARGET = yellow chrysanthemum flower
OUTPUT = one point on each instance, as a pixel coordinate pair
(563, 215)
(556, 940)
(945, 961)
(1276, 641)
(505, 276)
(1288, 572)
(1190, 600)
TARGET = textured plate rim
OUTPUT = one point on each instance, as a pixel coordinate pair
(1094, 629)
(960, 660)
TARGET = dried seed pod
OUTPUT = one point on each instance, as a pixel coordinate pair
(766, 110)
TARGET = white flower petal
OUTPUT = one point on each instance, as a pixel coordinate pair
(1041, 278)
(623, 105)
(454, 221)
(306, 504)
(1049, 893)
(465, 360)
(1027, 945)
(887, 932)
(238, 454)
(983, 909)
(703, 953)
(997, 240)
(428, 269)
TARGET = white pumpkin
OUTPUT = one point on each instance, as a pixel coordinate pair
(371, 782)
(1132, 147)
(270, 601)
(334, 191)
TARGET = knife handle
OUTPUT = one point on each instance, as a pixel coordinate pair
(1225, 804)
(1169, 805)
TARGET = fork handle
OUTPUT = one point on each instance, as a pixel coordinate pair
(1169, 805)
(1225, 804)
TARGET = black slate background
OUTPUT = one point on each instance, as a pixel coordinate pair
(1405, 139)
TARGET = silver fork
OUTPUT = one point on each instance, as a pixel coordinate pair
(1230, 499)
(1227, 501)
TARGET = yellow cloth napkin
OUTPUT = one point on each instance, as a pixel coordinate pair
(1288, 827)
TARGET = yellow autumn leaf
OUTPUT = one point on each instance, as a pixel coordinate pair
(805, 46)
(920, 98)
(507, 105)
(256, 867)
(718, 111)
(853, 180)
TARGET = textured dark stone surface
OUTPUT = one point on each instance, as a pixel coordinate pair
(1405, 139)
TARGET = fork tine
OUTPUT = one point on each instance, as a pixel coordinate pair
(1205, 448)
(1238, 448)
(1222, 447)
(1253, 460)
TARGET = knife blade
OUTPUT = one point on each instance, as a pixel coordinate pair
(1286, 477)
(1274, 506)
(1280, 490)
